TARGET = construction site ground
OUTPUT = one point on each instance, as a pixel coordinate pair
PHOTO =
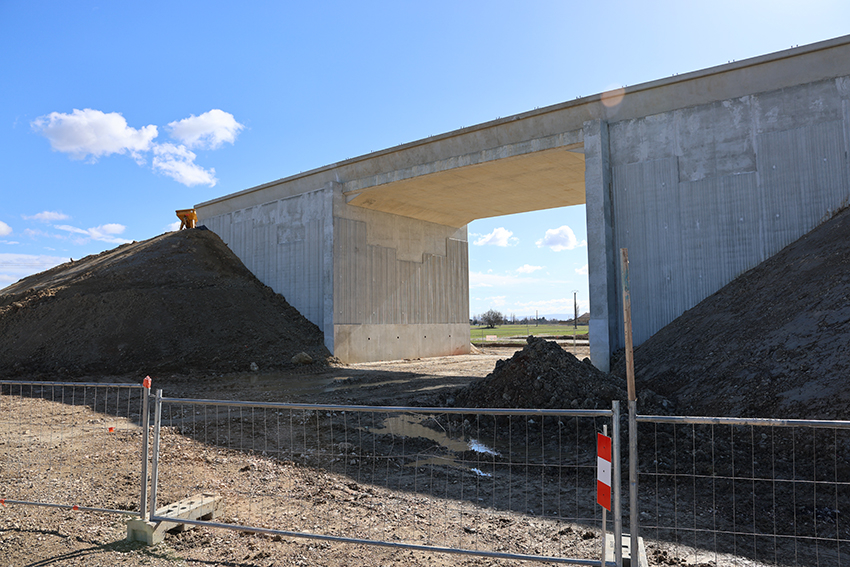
(181, 308)
(36, 536)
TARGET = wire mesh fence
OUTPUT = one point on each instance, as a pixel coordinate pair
(726, 491)
(51, 435)
(501, 483)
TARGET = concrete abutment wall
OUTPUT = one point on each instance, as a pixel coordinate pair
(703, 194)
(701, 176)
(401, 287)
(379, 286)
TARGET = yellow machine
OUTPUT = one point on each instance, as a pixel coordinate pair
(187, 217)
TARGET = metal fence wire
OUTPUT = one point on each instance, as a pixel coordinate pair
(51, 432)
(732, 491)
(508, 483)
(499, 483)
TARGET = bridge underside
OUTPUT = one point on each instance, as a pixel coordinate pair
(455, 197)
(701, 176)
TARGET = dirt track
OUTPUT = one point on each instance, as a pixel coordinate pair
(321, 499)
(42, 536)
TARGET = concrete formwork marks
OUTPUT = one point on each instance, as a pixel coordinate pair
(646, 203)
(845, 105)
(373, 287)
(284, 243)
(804, 179)
(687, 239)
(720, 227)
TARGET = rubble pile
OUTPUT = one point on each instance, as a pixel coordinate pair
(543, 375)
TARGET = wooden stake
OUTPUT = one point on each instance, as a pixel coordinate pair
(627, 321)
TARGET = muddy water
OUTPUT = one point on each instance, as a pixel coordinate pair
(411, 426)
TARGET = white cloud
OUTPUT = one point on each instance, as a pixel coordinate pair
(5, 229)
(14, 267)
(583, 270)
(172, 226)
(561, 238)
(103, 233)
(207, 131)
(527, 269)
(481, 279)
(72, 229)
(35, 233)
(178, 162)
(93, 133)
(47, 216)
(499, 237)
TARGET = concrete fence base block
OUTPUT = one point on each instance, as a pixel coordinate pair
(196, 507)
(626, 544)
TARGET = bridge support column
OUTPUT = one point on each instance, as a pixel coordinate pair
(601, 255)
(401, 286)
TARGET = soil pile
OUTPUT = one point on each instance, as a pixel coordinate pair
(775, 342)
(180, 302)
(543, 375)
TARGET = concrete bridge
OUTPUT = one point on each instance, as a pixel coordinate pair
(701, 176)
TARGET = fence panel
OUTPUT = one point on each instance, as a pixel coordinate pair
(50, 432)
(727, 491)
(499, 483)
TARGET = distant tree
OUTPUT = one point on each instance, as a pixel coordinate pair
(492, 318)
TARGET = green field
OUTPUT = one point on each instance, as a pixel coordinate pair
(479, 332)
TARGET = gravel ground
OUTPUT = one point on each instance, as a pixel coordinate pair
(319, 499)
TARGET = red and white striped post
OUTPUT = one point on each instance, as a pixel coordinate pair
(603, 471)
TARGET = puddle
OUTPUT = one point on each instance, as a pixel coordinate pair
(448, 462)
(409, 426)
(482, 448)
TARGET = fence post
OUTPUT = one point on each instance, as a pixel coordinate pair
(615, 473)
(145, 423)
(604, 510)
(634, 517)
(630, 383)
(157, 412)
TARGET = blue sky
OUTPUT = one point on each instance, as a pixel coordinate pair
(114, 114)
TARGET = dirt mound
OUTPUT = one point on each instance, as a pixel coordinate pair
(180, 302)
(543, 375)
(775, 342)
